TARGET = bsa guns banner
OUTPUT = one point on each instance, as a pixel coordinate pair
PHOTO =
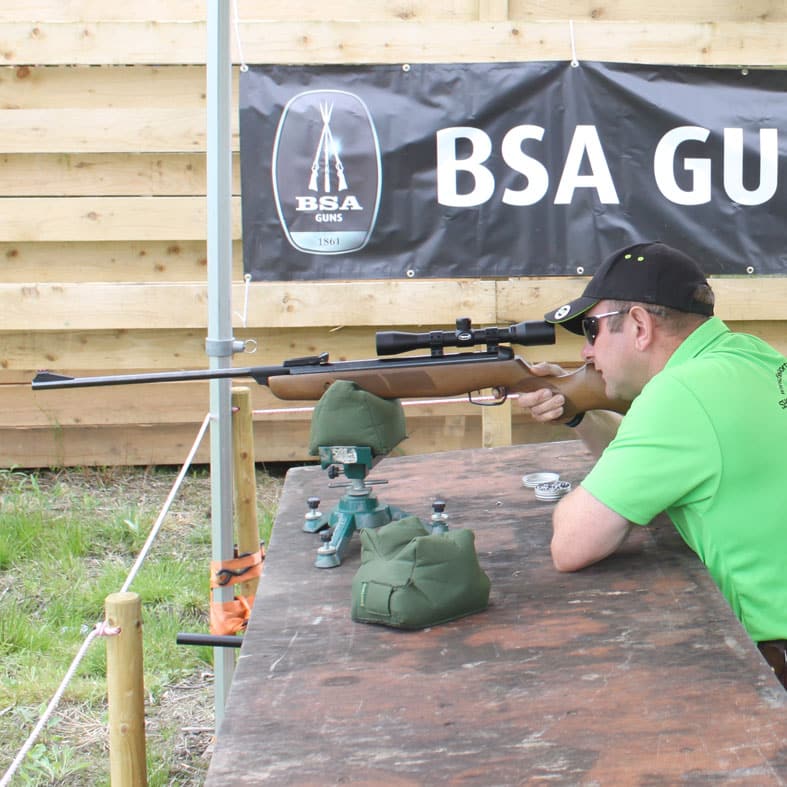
(508, 169)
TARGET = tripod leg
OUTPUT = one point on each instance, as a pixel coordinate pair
(331, 554)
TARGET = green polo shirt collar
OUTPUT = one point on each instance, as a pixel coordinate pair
(696, 342)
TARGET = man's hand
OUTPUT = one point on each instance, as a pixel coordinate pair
(544, 405)
(598, 427)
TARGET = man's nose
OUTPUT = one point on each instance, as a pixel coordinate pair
(587, 352)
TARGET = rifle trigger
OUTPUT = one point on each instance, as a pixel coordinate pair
(499, 392)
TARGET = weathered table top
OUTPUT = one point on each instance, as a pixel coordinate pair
(633, 671)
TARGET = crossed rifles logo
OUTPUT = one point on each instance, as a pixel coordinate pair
(326, 150)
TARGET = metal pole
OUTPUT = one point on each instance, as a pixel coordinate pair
(220, 344)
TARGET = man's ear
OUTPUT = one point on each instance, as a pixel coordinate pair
(644, 327)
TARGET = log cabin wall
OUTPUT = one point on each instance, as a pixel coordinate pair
(103, 219)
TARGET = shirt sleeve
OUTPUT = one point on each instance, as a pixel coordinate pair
(665, 454)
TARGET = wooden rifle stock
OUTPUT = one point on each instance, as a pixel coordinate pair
(583, 389)
(424, 377)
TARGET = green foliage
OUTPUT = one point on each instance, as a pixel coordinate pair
(51, 764)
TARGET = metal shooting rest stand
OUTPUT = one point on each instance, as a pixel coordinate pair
(358, 508)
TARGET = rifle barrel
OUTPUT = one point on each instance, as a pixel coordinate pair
(48, 380)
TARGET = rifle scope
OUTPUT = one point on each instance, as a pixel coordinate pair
(527, 333)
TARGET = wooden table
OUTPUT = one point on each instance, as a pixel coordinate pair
(633, 671)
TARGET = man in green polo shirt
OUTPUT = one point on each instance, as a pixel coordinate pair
(704, 439)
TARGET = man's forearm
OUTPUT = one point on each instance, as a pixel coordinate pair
(597, 429)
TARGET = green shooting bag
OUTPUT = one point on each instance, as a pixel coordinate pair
(410, 578)
(348, 415)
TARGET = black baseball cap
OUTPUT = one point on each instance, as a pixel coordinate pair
(649, 272)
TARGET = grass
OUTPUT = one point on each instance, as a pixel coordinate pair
(67, 540)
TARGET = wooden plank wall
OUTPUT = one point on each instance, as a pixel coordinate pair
(103, 215)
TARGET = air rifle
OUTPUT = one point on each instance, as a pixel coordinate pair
(438, 374)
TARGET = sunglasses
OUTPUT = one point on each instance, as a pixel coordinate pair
(590, 325)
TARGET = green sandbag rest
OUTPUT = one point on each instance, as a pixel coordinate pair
(410, 578)
(348, 415)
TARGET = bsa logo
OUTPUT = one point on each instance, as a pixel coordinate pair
(327, 173)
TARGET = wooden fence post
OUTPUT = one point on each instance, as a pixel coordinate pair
(245, 480)
(126, 691)
(496, 425)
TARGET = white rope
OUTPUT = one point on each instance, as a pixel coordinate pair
(283, 410)
(167, 503)
(574, 61)
(409, 403)
(245, 315)
(236, 23)
(102, 629)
